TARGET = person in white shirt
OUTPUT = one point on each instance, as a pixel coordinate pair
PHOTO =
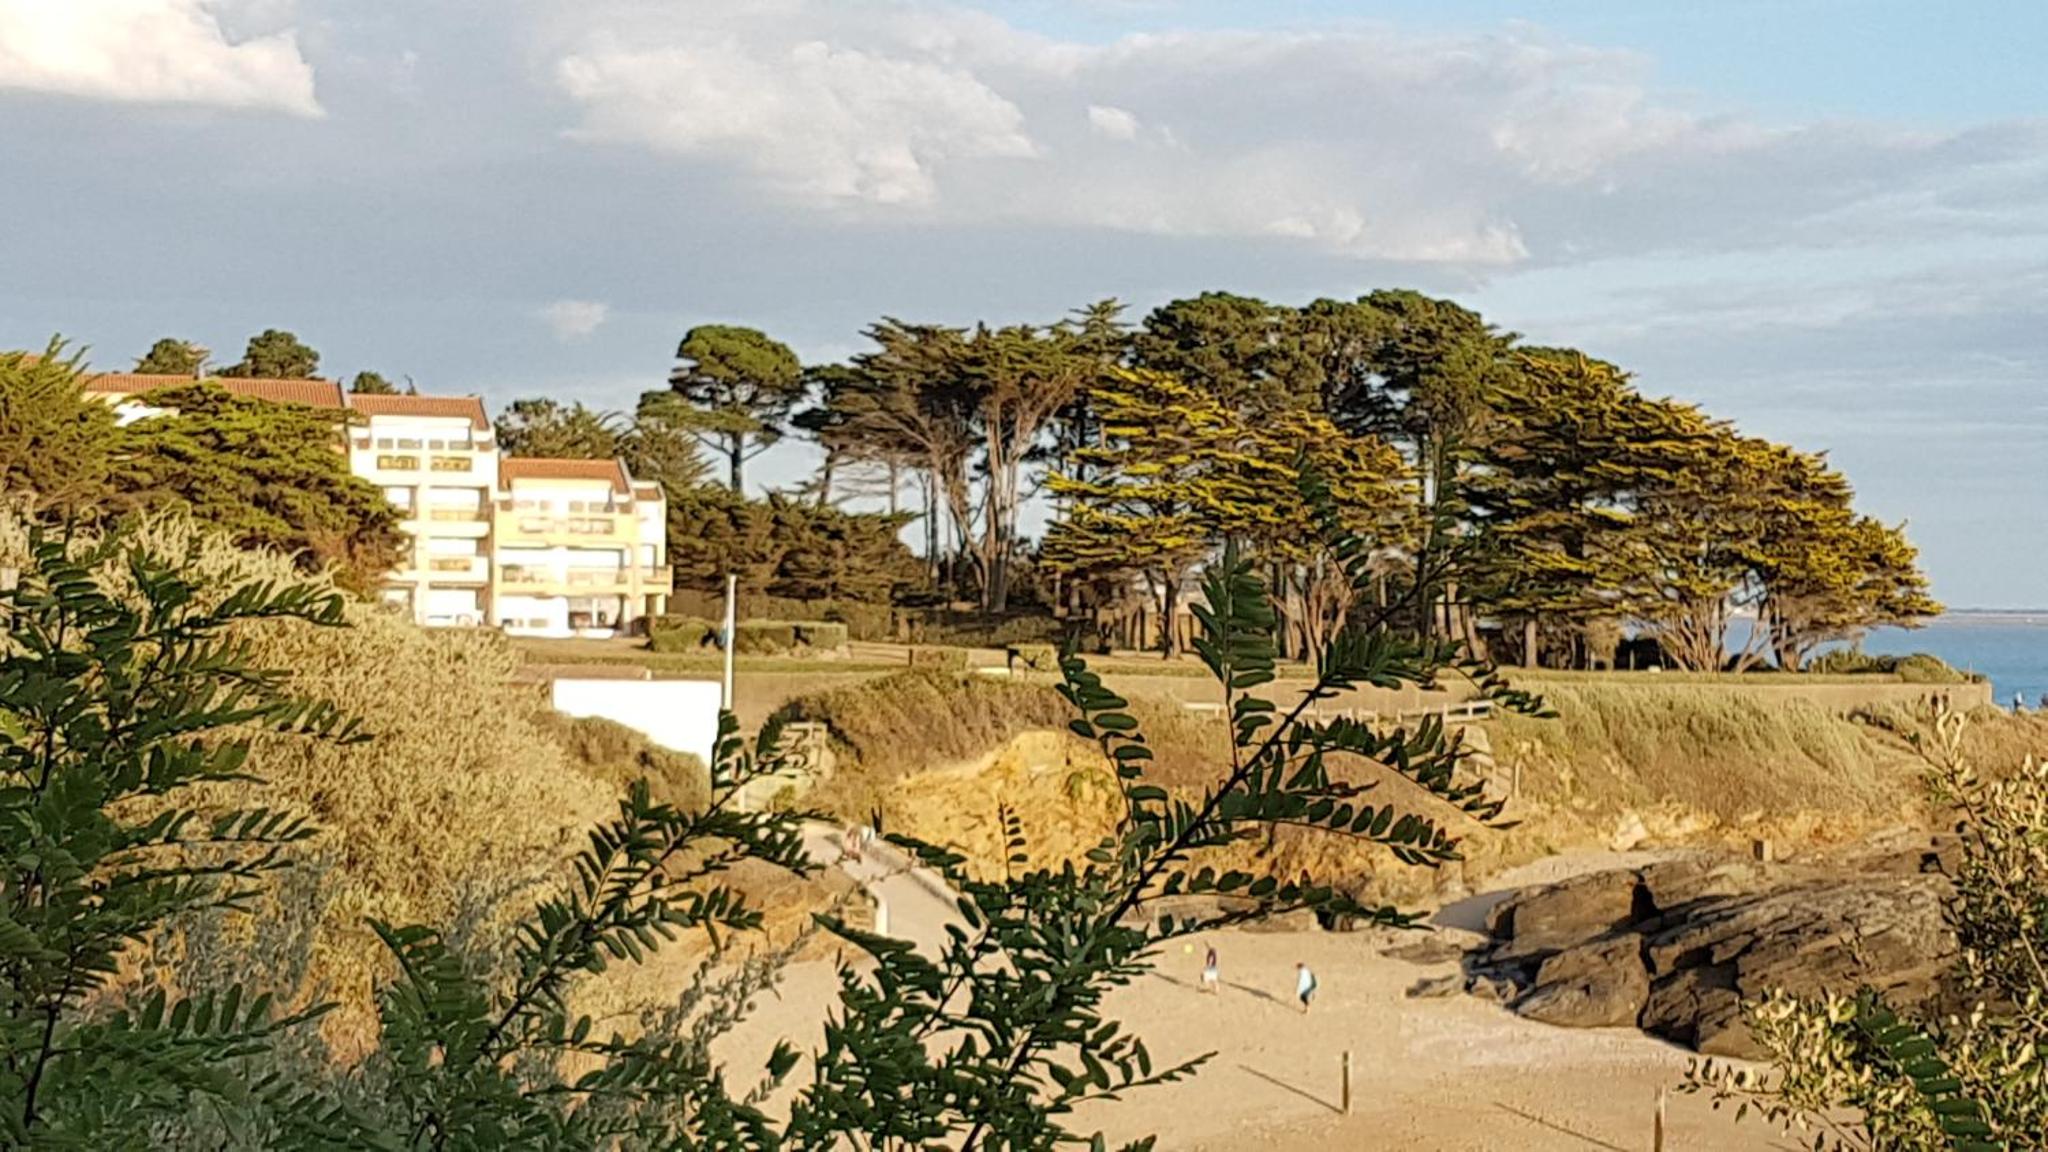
(1304, 986)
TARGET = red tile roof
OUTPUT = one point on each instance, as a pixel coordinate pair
(312, 393)
(460, 407)
(646, 491)
(543, 468)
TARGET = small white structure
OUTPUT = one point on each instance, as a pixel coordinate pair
(681, 715)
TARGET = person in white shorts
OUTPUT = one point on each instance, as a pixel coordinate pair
(1212, 975)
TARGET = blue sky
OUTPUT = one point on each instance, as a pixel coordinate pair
(1826, 220)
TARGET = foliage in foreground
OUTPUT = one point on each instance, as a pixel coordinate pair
(120, 696)
(1859, 1075)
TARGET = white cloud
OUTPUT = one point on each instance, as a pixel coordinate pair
(1480, 150)
(1115, 123)
(823, 120)
(151, 52)
(574, 319)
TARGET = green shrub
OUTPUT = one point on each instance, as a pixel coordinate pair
(864, 621)
(975, 632)
(1913, 668)
(1924, 668)
(681, 634)
(763, 637)
(608, 751)
(685, 634)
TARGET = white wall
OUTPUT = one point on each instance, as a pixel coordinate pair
(677, 714)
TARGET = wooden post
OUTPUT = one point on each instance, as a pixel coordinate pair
(1657, 1130)
(1347, 1082)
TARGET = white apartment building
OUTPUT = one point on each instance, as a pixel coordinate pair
(582, 548)
(436, 459)
(539, 547)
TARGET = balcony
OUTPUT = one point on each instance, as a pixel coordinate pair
(456, 523)
(583, 581)
(458, 570)
(576, 528)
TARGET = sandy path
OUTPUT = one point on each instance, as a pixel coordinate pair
(912, 903)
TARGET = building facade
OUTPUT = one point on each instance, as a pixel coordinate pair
(436, 459)
(582, 548)
(540, 547)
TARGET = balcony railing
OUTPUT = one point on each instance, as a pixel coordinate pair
(513, 577)
(582, 524)
(457, 515)
(459, 567)
(398, 463)
(452, 464)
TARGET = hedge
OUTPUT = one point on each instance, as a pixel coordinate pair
(864, 621)
(750, 637)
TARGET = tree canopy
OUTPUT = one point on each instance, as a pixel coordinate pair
(275, 354)
(1497, 488)
(744, 386)
(267, 475)
(57, 445)
(543, 427)
(172, 357)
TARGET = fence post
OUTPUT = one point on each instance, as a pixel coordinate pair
(1347, 1081)
(1657, 1131)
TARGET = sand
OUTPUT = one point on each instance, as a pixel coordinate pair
(1451, 1074)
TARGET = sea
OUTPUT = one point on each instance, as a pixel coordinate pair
(2011, 648)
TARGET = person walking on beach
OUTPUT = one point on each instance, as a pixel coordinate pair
(1212, 974)
(1304, 986)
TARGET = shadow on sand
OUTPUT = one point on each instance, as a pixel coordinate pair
(1554, 1126)
(1276, 1082)
(1247, 989)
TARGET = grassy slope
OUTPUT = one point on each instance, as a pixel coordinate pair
(1684, 763)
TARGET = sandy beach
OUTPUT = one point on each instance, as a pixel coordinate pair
(1453, 1074)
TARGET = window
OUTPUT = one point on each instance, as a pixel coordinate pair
(451, 563)
(451, 463)
(398, 463)
(384, 442)
(411, 442)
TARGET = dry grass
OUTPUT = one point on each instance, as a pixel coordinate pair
(1724, 754)
(458, 813)
(616, 755)
(1623, 765)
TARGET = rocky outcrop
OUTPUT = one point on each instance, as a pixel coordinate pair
(1675, 948)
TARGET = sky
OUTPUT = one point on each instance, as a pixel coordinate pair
(1824, 219)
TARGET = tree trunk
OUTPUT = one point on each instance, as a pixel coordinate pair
(1529, 655)
(1169, 599)
(825, 478)
(894, 483)
(735, 455)
(931, 528)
